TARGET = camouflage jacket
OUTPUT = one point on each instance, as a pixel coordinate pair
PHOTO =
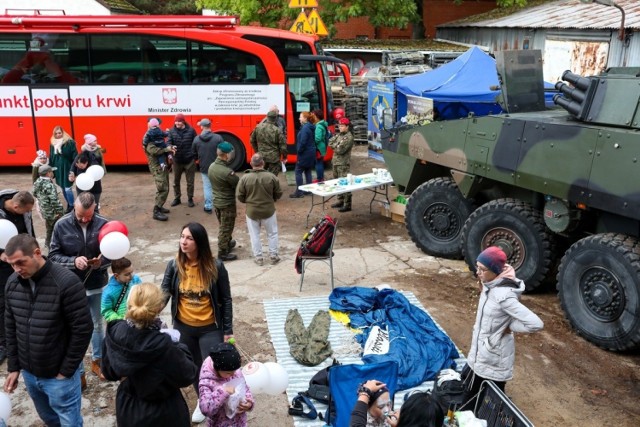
(223, 182)
(341, 144)
(269, 141)
(47, 194)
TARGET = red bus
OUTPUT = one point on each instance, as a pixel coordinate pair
(106, 75)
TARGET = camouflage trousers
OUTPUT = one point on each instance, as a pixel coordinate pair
(161, 179)
(341, 172)
(309, 346)
(274, 168)
(49, 223)
(227, 219)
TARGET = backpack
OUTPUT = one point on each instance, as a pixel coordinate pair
(449, 390)
(319, 384)
(317, 241)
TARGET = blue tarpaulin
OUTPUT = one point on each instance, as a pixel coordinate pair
(395, 330)
(457, 87)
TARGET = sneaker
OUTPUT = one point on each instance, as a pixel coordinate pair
(175, 202)
(190, 203)
(259, 261)
(197, 416)
(209, 211)
(274, 259)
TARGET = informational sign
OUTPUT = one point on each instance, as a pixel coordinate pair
(303, 3)
(301, 25)
(418, 109)
(381, 97)
(316, 23)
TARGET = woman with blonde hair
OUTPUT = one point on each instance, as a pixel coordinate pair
(62, 153)
(150, 364)
(201, 304)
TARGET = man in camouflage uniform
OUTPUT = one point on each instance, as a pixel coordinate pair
(223, 182)
(160, 176)
(269, 141)
(46, 192)
(342, 143)
(280, 121)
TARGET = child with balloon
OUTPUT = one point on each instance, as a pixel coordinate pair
(224, 395)
(116, 293)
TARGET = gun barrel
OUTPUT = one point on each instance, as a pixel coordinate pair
(571, 92)
(578, 81)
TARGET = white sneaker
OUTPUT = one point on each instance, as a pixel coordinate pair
(197, 416)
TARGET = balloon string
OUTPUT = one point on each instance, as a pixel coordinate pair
(89, 272)
(243, 353)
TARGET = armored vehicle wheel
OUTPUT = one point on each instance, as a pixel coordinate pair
(434, 217)
(240, 154)
(599, 284)
(518, 229)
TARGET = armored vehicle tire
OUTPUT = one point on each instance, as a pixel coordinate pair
(435, 214)
(240, 154)
(599, 289)
(519, 230)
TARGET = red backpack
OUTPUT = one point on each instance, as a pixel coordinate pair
(317, 241)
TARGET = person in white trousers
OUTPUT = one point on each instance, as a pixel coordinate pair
(259, 189)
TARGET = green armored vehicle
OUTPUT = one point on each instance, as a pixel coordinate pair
(557, 189)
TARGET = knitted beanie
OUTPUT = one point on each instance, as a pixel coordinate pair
(225, 357)
(376, 394)
(493, 258)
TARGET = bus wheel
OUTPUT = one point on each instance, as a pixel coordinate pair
(435, 214)
(599, 290)
(518, 229)
(240, 154)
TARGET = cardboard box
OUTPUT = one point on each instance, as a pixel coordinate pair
(385, 210)
(397, 211)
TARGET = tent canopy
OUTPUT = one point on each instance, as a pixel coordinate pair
(468, 78)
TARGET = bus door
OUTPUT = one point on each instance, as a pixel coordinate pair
(303, 95)
(50, 107)
(17, 143)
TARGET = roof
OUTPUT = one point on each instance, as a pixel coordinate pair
(562, 14)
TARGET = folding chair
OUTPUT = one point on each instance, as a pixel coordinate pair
(327, 259)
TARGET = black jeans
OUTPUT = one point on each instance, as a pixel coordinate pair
(199, 340)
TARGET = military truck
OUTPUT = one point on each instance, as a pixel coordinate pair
(557, 189)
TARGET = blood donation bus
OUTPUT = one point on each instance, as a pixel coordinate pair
(107, 75)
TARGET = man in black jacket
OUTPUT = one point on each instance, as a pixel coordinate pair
(15, 206)
(181, 135)
(75, 246)
(48, 329)
(204, 150)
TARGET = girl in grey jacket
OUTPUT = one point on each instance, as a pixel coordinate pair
(500, 314)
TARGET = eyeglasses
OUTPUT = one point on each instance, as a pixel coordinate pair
(481, 269)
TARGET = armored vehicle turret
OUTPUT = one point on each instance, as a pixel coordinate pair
(557, 189)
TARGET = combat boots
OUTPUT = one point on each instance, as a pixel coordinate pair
(158, 215)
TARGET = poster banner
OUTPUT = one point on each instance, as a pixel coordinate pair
(418, 109)
(380, 97)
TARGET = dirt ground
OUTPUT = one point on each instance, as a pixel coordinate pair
(560, 379)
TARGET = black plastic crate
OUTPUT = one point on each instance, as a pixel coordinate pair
(499, 411)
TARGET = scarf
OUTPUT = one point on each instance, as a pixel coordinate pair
(57, 144)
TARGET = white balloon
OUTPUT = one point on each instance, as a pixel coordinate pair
(84, 182)
(5, 406)
(278, 378)
(257, 376)
(114, 245)
(7, 231)
(96, 171)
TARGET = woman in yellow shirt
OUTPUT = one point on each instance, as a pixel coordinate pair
(201, 305)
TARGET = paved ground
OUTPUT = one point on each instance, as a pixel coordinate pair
(560, 379)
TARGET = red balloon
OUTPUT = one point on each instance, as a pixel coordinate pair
(112, 226)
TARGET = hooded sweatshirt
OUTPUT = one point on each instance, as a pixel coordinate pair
(154, 368)
(500, 313)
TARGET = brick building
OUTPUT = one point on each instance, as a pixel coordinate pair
(436, 12)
